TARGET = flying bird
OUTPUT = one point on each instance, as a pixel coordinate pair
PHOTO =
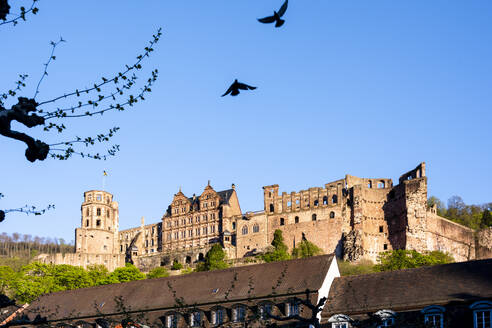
(276, 16)
(235, 87)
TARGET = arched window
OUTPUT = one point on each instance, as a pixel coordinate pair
(87, 212)
(482, 314)
(381, 184)
(325, 200)
(245, 230)
(332, 215)
(334, 199)
(315, 202)
(369, 184)
(386, 317)
(313, 217)
(282, 221)
(86, 223)
(271, 208)
(256, 228)
(296, 219)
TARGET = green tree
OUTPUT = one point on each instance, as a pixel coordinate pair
(486, 219)
(214, 260)
(279, 252)
(128, 273)
(441, 208)
(158, 272)
(7, 278)
(407, 259)
(34, 280)
(98, 274)
(306, 249)
(70, 277)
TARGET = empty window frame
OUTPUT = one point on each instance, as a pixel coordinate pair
(313, 217)
(332, 215)
(282, 221)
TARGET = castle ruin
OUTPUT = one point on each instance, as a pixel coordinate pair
(355, 218)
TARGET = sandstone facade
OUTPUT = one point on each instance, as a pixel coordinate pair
(355, 218)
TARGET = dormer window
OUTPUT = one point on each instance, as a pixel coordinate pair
(434, 316)
(265, 311)
(482, 314)
(239, 313)
(172, 321)
(218, 317)
(292, 309)
(340, 321)
(196, 319)
(386, 317)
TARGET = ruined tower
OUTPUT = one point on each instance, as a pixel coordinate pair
(98, 232)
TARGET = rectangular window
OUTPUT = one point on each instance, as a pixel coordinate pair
(205, 230)
(98, 223)
(197, 231)
(218, 317)
(172, 321)
(196, 319)
(434, 320)
(265, 311)
(339, 325)
(98, 212)
(482, 319)
(176, 235)
(152, 242)
(239, 314)
(292, 309)
(98, 197)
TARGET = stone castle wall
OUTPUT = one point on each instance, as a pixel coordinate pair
(355, 218)
(110, 261)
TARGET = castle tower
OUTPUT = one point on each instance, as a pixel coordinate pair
(270, 195)
(98, 232)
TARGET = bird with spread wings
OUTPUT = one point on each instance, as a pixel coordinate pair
(276, 16)
(235, 87)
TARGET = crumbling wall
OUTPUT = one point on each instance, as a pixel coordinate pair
(484, 244)
(110, 261)
(447, 236)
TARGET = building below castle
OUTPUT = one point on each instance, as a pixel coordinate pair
(355, 218)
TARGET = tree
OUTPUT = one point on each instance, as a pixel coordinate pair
(128, 273)
(279, 253)
(158, 272)
(441, 208)
(407, 259)
(98, 274)
(486, 218)
(306, 249)
(114, 93)
(214, 260)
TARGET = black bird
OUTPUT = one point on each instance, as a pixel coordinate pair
(235, 87)
(276, 16)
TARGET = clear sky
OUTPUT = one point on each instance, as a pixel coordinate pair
(367, 88)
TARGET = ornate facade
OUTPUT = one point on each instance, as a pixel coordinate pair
(355, 218)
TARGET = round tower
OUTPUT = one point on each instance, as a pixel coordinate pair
(99, 224)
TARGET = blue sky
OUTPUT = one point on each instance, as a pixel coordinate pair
(367, 88)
